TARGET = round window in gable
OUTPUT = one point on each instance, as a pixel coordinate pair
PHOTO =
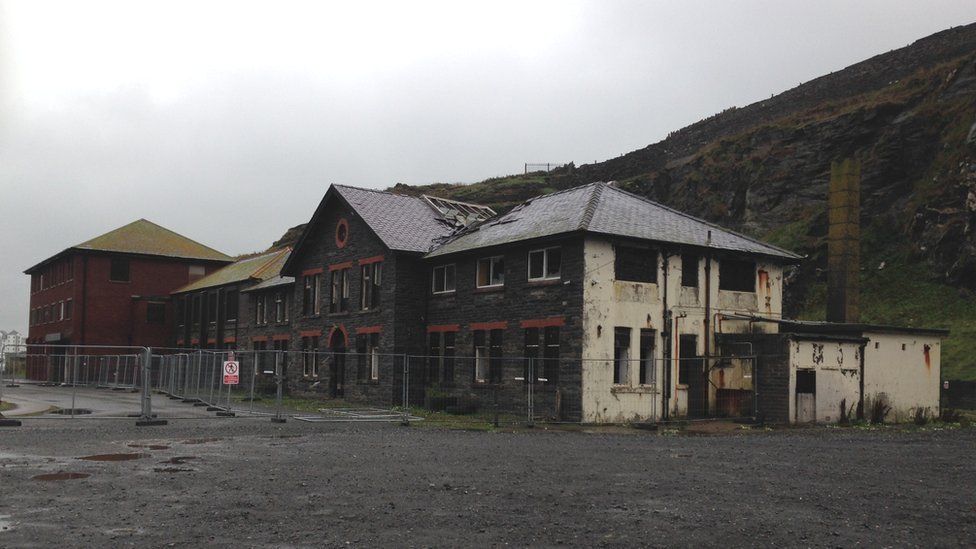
(342, 233)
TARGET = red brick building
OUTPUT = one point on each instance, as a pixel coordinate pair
(114, 289)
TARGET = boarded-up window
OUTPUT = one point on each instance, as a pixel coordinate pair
(635, 264)
(736, 275)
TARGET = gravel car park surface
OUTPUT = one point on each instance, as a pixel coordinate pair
(248, 482)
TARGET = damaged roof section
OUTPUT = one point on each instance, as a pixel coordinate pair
(260, 268)
(604, 209)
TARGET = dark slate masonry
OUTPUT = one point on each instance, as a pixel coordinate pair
(516, 302)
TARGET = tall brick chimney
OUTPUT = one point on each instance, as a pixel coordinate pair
(844, 241)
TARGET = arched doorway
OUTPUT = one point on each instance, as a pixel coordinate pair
(337, 370)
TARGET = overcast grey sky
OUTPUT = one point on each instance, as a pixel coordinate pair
(226, 121)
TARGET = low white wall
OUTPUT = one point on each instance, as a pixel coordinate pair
(837, 365)
(903, 370)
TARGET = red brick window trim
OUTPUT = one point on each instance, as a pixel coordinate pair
(211, 341)
(259, 339)
(230, 340)
(342, 233)
(194, 341)
(310, 333)
(369, 330)
(544, 322)
(444, 328)
(280, 337)
(368, 260)
(500, 325)
(340, 266)
(312, 272)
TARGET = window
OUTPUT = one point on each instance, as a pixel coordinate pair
(368, 352)
(281, 307)
(119, 270)
(231, 300)
(60, 310)
(261, 309)
(542, 347)
(443, 279)
(491, 272)
(196, 309)
(689, 271)
(281, 355)
(737, 276)
(310, 357)
(196, 272)
(311, 285)
(155, 313)
(544, 264)
(621, 356)
(440, 360)
(181, 311)
(488, 356)
(260, 355)
(370, 289)
(340, 291)
(635, 264)
(68, 309)
(648, 374)
(213, 306)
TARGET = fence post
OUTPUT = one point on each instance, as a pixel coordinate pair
(278, 417)
(146, 419)
(406, 391)
(531, 392)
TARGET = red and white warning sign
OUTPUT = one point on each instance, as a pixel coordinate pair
(232, 372)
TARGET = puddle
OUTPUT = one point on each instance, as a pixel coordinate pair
(114, 457)
(6, 524)
(285, 436)
(200, 440)
(172, 470)
(149, 446)
(178, 460)
(58, 476)
(71, 411)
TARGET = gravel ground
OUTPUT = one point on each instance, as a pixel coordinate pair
(248, 482)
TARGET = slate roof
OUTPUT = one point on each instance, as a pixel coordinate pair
(403, 223)
(145, 238)
(604, 209)
(259, 268)
(272, 282)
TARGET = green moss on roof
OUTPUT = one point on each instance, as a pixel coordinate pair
(260, 267)
(146, 237)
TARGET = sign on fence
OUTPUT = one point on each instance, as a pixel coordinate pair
(232, 372)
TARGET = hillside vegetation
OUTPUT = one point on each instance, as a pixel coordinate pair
(763, 169)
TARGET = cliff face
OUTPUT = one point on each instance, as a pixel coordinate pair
(910, 115)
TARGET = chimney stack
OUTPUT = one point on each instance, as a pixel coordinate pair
(844, 241)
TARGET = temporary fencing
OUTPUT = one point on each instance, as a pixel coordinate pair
(343, 386)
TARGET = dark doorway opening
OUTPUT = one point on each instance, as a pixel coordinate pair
(691, 373)
(337, 369)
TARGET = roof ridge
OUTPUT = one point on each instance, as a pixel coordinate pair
(591, 205)
(705, 222)
(158, 226)
(561, 191)
(378, 191)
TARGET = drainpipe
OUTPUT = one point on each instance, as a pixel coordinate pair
(84, 297)
(708, 300)
(666, 339)
(860, 383)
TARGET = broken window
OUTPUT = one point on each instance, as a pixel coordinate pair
(689, 270)
(440, 361)
(370, 286)
(635, 264)
(339, 298)
(443, 279)
(281, 307)
(545, 264)
(491, 272)
(806, 381)
(621, 356)
(119, 270)
(196, 310)
(213, 306)
(480, 356)
(648, 372)
(367, 349)
(737, 275)
(261, 309)
(310, 357)
(311, 286)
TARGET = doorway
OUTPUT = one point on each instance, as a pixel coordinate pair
(806, 396)
(692, 375)
(337, 370)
